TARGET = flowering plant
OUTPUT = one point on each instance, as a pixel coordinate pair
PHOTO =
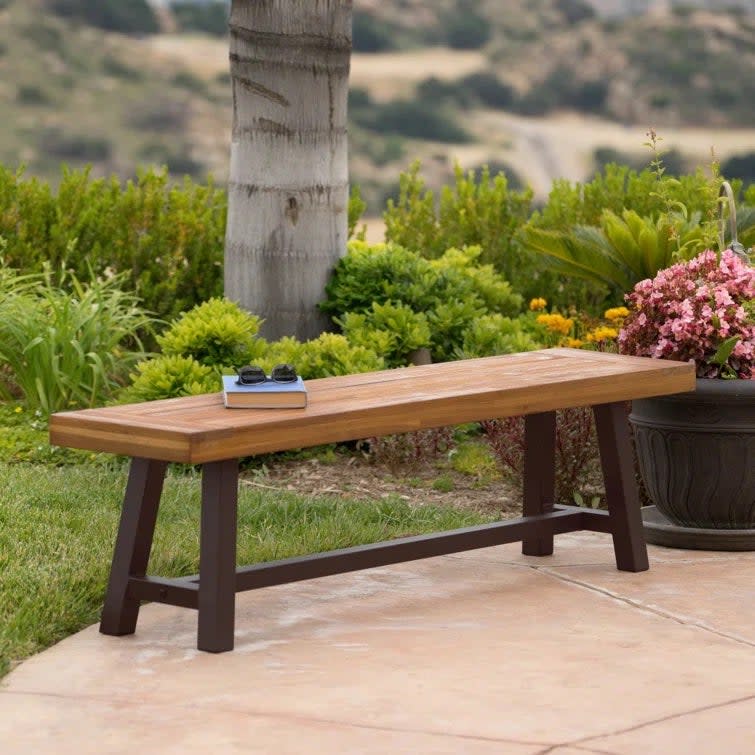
(699, 311)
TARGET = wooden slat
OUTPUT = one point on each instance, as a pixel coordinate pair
(198, 429)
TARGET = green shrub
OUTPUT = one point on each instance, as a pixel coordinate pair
(495, 334)
(621, 251)
(378, 273)
(371, 34)
(216, 333)
(167, 239)
(392, 330)
(113, 66)
(449, 321)
(66, 350)
(30, 94)
(741, 167)
(210, 17)
(357, 206)
(465, 27)
(464, 277)
(488, 89)
(170, 377)
(617, 188)
(388, 272)
(217, 337)
(475, 211)
(331, 354)
(450, 291)
(412, 119)
(132, 17)
(624, 226)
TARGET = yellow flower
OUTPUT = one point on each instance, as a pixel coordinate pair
(602, 333)
(574, 343)
(616, 313)
(537, 304)
(556, 323)
(18, 410)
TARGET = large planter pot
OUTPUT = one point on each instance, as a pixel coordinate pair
(696, 453)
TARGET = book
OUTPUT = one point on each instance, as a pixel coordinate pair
(267, 395)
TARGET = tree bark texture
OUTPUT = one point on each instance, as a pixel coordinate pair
(288, 184)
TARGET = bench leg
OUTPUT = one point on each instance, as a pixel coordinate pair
(539, 476)
(621, 489)
(133, 544)
(217, 557)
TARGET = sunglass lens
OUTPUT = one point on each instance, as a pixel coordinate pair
(283, 373)
(251, 375)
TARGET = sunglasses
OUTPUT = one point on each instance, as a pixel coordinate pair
(253, 375)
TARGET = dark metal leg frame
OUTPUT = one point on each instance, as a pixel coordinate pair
(213, 591)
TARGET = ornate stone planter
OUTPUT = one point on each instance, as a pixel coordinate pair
(696, 453)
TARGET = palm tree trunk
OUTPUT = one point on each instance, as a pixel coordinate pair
(288, 184)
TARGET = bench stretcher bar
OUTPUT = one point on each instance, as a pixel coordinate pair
(184, 591)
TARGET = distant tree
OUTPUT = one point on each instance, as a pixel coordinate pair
(128, 17)
(210, 17)
(740, 166)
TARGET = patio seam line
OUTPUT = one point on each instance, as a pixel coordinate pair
(472, 556)
(284, 717)
(643, 606)
(653, 722)
(577, 747)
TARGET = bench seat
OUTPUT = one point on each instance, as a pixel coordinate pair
(198, 429)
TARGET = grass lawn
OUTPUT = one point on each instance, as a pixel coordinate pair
(58, 523)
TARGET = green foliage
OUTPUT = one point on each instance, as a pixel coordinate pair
(332, 354)
(464, 277)
(465, 27)
(216, 333)
(25, 439)
(622, 251)
(75, 147)
(210, 17)
(741, 167)
(217, 337)
(449, 321)
(357, 206)
(64, 350)
(472, 457)
(378, 273)
(623, 225)
(562, 89)
(617, 188)
(132, 17)
(495, 334)
(371, 34)
(168, 239)
(451, 291)
(170, 377)
(410, 118)
(475, 211)
(328, 354)
(392, 330)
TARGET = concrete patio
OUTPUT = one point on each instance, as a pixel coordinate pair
(482, 652)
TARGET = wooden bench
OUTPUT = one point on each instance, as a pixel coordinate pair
(199, 430)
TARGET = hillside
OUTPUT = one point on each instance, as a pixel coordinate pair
(543, 88)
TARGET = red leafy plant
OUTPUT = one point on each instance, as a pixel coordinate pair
(699, 311)
(577, 456)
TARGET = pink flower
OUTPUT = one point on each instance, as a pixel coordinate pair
(689, 309)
